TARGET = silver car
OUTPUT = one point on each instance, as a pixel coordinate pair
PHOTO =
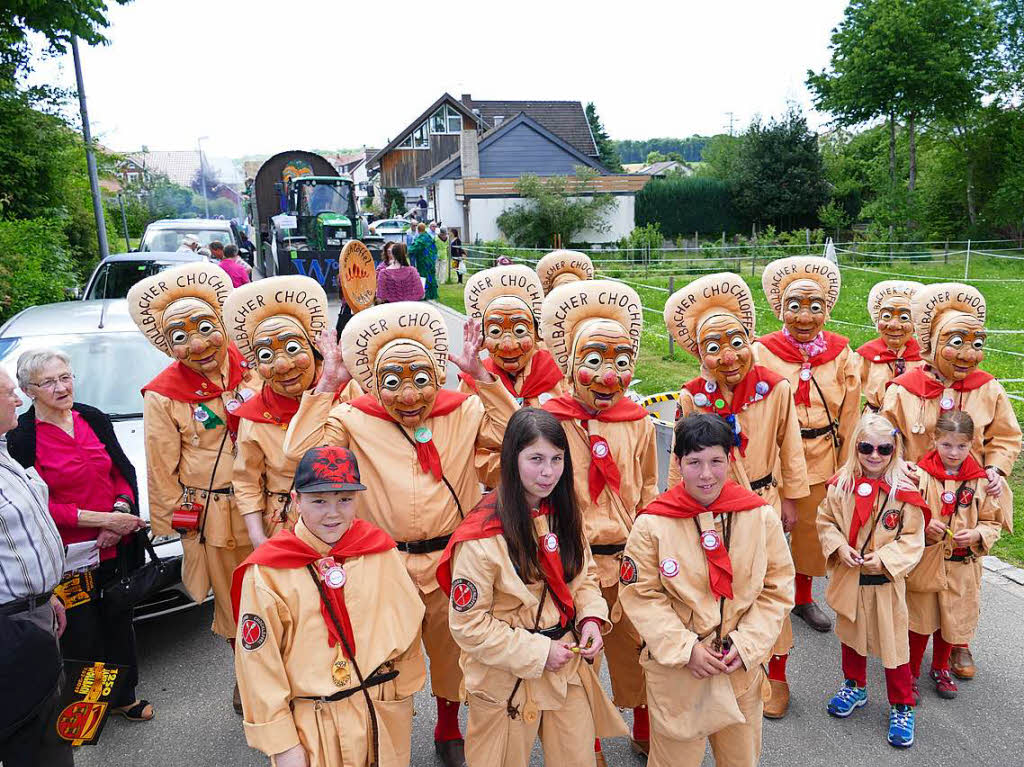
(114, 276)
(111, 361)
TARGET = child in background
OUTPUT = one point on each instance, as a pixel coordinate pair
(944, 590)
(871, 525)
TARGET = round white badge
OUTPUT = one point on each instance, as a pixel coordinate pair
(805, 374)
(948, 497)
(710, 540)
(544, 397)
(701, 399)
(710, 387)
(600, 449)
(761, 387)
(669, 567)
(423, 434)
(233, 405)
(200, 414)
(946, 403)
(551, 542)
(863, 489)
(246, 394)
(335, 577)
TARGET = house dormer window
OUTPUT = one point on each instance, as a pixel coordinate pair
(445, 120)
(418, 139)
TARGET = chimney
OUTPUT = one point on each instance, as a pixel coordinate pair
(467, 100)
(469, 153)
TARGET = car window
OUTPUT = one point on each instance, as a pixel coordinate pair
(109, 368)
(115, 278)
(168, 240)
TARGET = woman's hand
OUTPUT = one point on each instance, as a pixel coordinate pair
(558, 655)
(705, 662)
(591, 640)
(995, 482)
(107, 538)
(872, 564)
(967, 538)
(935, 530)
(121, 523)
(468, 361)
(293, 757)
(849, 556)
(334, 374)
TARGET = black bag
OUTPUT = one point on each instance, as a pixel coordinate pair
(133, 587)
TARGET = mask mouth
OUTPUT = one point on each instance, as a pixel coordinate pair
(204, 360)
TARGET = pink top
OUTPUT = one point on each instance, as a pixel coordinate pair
(79, 475)
(237, 273)
(399, 284)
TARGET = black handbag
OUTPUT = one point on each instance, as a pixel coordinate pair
(134, 586)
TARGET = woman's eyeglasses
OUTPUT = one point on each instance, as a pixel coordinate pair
(51, 383)
(866, 448)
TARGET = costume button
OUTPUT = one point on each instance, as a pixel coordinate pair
(863, 489)
(701, 400)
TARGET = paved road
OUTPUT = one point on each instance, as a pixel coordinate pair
(186, 671)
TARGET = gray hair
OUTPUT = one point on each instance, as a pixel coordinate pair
(30, 363)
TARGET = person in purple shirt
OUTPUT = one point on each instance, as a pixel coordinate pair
(227, 258)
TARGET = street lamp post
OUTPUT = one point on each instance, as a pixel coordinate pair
(90, 156)
(202, 174)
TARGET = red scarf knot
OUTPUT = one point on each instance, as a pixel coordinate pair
(780, 345)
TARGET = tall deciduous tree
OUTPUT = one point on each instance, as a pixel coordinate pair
(605, 146)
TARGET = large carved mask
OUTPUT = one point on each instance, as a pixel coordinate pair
(195, 335)
(510, 334)
(602, 364)
(406, 383)
(725, 351)
(804, 310)
(284, 356)
(895, 323)
(959, 345)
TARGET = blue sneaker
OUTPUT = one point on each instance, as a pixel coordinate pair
(849, 697)
(901, 726)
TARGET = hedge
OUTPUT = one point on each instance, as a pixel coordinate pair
(686, 204)
(35, 264)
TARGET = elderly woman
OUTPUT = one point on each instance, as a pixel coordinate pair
(93, 495)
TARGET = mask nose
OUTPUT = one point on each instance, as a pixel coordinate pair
(729, 357)
(608, 379)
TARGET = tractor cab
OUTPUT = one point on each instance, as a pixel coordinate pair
(325, 210)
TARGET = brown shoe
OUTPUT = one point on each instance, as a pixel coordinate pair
(961, 663)
(813, 616)
(777, 705)
(641, 747)
(236, 700)
(452, 752)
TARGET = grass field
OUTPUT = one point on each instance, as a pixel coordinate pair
(658, 372)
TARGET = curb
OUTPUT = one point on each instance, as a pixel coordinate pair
(1003, 569)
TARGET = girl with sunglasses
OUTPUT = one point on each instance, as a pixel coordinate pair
(944, 590)
(526, 609)
(871, 526)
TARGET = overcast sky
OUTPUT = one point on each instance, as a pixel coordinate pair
(261, 77)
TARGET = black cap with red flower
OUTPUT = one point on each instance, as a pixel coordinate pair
(328, 469)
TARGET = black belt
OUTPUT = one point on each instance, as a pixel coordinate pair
(961, 557)
(873, 580)
(25, 604)
(371, 681)
(555, 632)
(223, 491)
(765, 481)
(607, 548)
(424, 547)
(818, 432)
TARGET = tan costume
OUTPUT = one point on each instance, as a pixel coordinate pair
(826, 386)
(576, 319)
(413, 506)
(666, 590)
(274, 323)
(561, 266)
(187, 413)
(286, 666)
(895, 351)
(495, 617)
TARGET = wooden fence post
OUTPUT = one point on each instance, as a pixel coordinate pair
(671, 344)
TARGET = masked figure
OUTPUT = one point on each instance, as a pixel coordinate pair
(415, 443)
(713, 319)
(274, 322)
(561, 266)
(190, 425)
(592, 328)
(895, 351)
(825, 377)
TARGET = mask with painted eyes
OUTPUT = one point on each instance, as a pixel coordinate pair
(895, 323)
(406, 383)
(804, 310)
(284, 356)
(509, 333)
(959, 345)
(195, 334)
(725, 349)
(603, 364)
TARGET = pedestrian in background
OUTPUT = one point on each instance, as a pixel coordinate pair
(237, 272)
(386, 259)
(458, 255)
(231, 253)
(424, 253)
(399, 281)
(189, 244)
(31, 618)
(92, 498)
(443, 247)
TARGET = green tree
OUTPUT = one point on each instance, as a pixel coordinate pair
(721, 158)
(605, 146)
(393, 201)
(557, 208)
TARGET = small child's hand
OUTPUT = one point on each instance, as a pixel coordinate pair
(872, 564)
(849, 556)
(935, 530)
(967, 538)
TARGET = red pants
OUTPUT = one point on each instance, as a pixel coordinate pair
(941, 650)
(898, 681)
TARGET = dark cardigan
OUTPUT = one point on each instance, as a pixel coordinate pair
(21, 444)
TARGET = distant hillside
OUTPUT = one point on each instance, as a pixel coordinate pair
(637, 151)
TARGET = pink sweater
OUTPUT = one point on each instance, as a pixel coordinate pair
(401, 284)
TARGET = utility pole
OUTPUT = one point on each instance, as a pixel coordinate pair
(90, 157)
(202, 174)
(732, 119)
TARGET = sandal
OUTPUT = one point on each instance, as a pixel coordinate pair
(139, 711)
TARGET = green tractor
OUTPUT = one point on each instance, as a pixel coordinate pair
(325, 211)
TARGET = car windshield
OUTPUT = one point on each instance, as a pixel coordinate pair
(110, 369)
(115, 278)
(168, 240)
(326, 198)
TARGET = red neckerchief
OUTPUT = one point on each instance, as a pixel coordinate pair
(783, 348)
(864, 505)
(920, 382)
(602, 471)
(876, 350)
(269, 407)
(544, 376)
(181, 383)
(969, 469)
(447, 402)
(483, 522)
(679, 504)
(287, 551)
(744, 394)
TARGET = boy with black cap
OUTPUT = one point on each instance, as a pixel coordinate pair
(328, 661)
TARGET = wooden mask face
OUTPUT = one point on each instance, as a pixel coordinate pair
(725, 349)
(602, 366)
(895, 324)
(509, 333)
(284, 356)
(407, 384)
(959, 346)
(195, 335)
(804, 310)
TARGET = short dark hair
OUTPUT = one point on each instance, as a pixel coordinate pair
(700, 430)
(216, 245)
(230, 251)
